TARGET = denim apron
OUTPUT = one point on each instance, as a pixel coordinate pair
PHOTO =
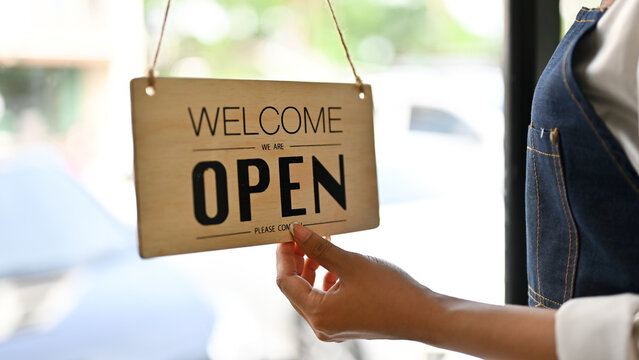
(582, 193)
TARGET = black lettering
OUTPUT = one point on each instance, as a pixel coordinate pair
(299, 120)
(286, 186)
(229, 120)
(307, 115)
(262, 125)
(244, 123)
(323, 177)
(331, 119)
(203, 114)
(199, 200)
(245, 189)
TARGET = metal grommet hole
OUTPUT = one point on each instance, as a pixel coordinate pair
(150, 90)
(362, 95)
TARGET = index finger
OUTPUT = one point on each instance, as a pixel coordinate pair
(331, 257)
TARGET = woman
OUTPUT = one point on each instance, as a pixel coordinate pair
(582, 199)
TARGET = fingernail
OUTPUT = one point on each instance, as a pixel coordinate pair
(302, 233)
(291, 228)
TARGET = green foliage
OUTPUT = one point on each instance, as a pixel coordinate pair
(380, 32)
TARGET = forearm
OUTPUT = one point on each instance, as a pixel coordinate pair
(376, 300)
(487, 331)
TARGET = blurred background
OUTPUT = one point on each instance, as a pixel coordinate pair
(71, 283)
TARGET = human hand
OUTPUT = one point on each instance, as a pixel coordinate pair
(367, 298)
(362, 297)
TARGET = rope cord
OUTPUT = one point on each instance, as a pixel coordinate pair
(358, 80)
(151, 80)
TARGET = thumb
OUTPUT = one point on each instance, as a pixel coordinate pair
(331, 257)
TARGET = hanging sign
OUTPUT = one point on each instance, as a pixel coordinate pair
(230, 163)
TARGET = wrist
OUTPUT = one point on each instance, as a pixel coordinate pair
(423, 317)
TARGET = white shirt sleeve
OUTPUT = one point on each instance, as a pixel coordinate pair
(600, 327)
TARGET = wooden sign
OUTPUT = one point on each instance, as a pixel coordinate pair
(231, 163)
